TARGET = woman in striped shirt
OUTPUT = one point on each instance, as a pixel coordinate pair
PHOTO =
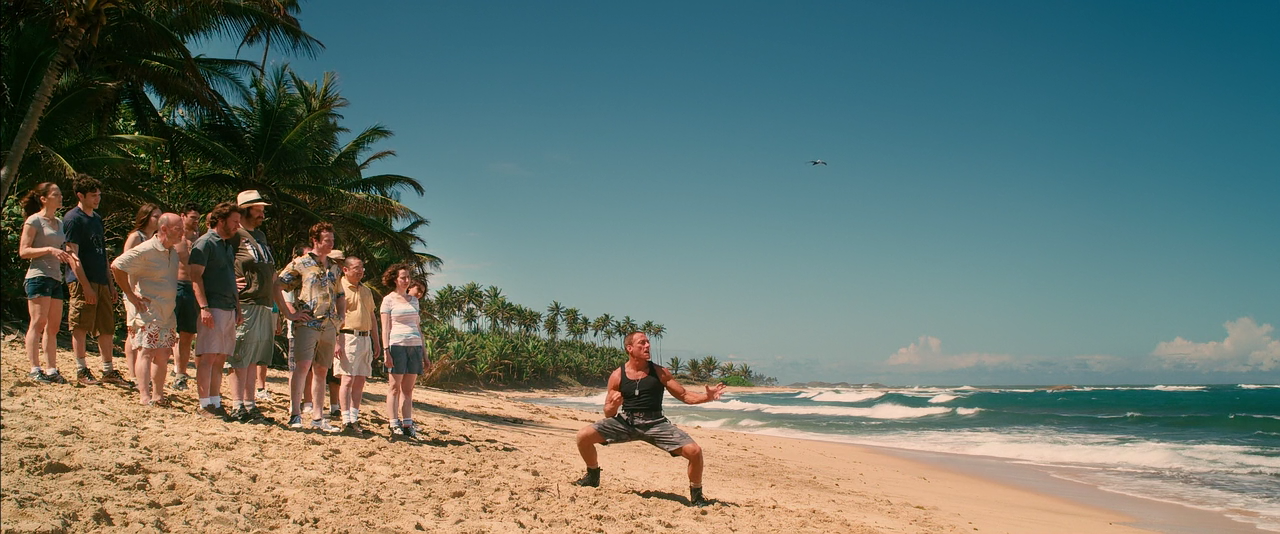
(403, 353)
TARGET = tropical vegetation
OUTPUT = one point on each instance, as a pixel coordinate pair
(112, 89)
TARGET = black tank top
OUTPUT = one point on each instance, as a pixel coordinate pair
(644, 395)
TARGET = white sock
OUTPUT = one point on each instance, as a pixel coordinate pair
(107, 367)
(35, 369)
(355, 415)
(217, 401)
(80, 364)
(237, 404)
(306, 407)
(395, 422)
(334, 407)
(51, 371)
(206, 401)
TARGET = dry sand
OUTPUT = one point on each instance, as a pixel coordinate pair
(79, 459)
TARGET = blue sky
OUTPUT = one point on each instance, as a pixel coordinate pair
(1018, 192)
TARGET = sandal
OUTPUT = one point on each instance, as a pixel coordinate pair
(164, 402)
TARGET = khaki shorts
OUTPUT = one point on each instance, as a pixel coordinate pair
(219, 338)
(255, 337)
(311, 345)
(97, 319)
(359, 360)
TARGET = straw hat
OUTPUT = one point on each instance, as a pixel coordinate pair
(250, 197)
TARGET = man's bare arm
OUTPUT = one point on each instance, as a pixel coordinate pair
(688, 397)
(613, 396)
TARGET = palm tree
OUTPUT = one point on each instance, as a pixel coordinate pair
(603, 325)
(284, 142)
(675, 365)
(710, 364)
(552, 320)
(657, 332)
(140, 45)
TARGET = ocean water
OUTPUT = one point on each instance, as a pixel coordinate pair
(1211, 447)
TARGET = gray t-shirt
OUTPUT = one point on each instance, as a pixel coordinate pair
(48, 234)
(218, 257)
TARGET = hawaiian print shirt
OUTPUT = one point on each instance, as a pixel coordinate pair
(317, 287)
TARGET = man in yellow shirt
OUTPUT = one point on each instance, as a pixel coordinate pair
(358, 341)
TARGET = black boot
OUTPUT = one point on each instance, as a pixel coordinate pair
(696, 498)
(591, 479)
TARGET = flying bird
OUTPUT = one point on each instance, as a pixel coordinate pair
(817, 162)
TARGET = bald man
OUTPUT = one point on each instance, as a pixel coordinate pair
(148, 276)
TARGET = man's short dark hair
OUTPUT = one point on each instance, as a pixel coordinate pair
(190, 207)
(222, 211)
(627, 340)
(347, 260)
(86, 184)
(318, 229)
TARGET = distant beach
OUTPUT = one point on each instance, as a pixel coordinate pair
(89, 459)
(1213, 450)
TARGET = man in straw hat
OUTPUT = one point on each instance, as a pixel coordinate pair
(257, 291)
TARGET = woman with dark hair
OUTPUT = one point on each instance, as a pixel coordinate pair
(145, 224)
(41, 242)
(403, 352)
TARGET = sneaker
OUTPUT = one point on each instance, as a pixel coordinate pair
(591, 479)
(307, 407)
(85, 377)
(240, 415)
(411, 432)
(40, 377)
(323, 425)
(348, 429)
(396, 431)
(180, 382)
(259, 418)
(356, 429)
(263, 395)
(295, 421)
(336, 412)
(207, 412)
(113, 377)
(55, 377)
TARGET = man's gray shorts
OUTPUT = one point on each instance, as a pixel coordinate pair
(659, 433)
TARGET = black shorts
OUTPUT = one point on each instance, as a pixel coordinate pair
(187, 310)
(407, 360)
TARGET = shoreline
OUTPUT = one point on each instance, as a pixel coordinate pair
(81, 459)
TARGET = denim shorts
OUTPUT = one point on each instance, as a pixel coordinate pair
(44, 286)
(407, 359)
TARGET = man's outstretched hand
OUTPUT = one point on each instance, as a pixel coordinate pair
(713, 392)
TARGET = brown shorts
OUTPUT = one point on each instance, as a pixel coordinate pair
(97, 318)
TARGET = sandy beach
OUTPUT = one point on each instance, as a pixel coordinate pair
(80, 459)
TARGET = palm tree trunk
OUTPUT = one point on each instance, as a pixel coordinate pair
(40, 100)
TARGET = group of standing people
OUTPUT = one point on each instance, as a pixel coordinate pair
(221, 293)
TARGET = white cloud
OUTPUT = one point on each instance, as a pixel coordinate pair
(1247, 347)
(927, 353)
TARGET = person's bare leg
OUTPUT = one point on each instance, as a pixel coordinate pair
(105, 349)
(184, 351)
(344, 393)
(317, 391)
(393, 397)
(242, 384)
(217, 362)
(159, 371)
(51, 334)
(79, 343)
(142, 376)
(130, 359)
(204, 375)
(588, 438)
(693, 453)
(38, 310)
(262, 376)
(357, 392)
(298, 385)
(406, 395)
